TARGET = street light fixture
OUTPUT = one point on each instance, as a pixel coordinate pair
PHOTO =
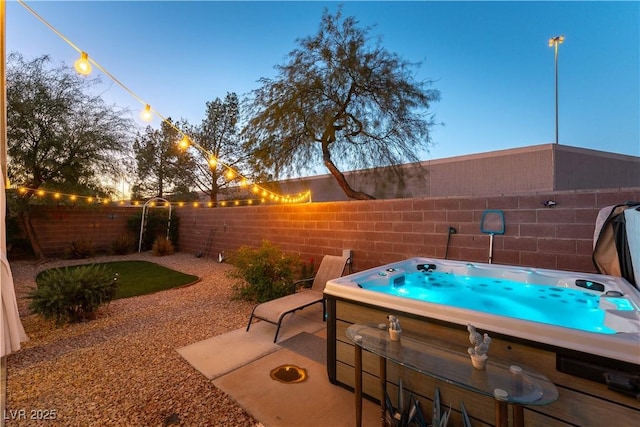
(555, 41)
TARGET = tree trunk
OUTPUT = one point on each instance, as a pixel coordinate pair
(339, 176)
(31, 234)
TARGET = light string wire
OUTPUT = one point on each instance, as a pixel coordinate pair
(68, 197)
(244, 181)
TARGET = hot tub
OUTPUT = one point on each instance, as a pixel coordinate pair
(588, 324)
(590, 313)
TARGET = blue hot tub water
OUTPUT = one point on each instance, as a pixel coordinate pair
(565, 307)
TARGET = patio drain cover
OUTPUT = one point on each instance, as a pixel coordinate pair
(289, 374)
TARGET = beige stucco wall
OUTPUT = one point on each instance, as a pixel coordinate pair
(538, 168)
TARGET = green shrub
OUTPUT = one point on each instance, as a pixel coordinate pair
(73, 294)
(162, 246)
(263, 273)
(123, 245)
(79, 249)
(307, 269)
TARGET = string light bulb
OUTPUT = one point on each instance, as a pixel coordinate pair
(184, 142)
(213, 162)
(146, 114)
(230, 174)
(82, 64)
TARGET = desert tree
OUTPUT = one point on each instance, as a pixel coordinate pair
(341, 100)
(61, 135)
(217, 138)
(162, 167)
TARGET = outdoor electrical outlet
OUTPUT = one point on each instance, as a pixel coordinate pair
(348, 253)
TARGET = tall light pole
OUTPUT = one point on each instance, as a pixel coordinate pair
(555, 41)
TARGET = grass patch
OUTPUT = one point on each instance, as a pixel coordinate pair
(142, 277)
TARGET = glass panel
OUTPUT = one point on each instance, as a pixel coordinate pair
(504, 381)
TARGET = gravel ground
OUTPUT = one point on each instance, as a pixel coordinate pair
(122, 368)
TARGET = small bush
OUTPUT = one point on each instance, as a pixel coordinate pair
(123, 245)
(79, 249)
(263, 273)
(73, 294)
(162, 246)
(307, 269)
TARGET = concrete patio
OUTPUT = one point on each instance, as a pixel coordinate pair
(239, 363)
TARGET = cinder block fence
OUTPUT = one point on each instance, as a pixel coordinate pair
(378, 231)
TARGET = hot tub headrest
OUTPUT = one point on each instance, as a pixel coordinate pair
(426, 267)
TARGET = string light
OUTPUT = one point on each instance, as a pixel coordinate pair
(184, 142)
(83, 66)
(146, 114)
(302, 197)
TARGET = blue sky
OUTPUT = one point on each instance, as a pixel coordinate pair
(490, 60)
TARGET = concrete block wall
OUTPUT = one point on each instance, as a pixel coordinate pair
(383, 231)
(378, 231)
(57, 226)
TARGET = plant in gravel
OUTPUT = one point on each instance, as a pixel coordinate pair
(79, 249)
(73, 294)
(123, 245)
(162, 246)
(307, 269)
(263, 273)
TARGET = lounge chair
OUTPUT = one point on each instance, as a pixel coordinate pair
(275, 310)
